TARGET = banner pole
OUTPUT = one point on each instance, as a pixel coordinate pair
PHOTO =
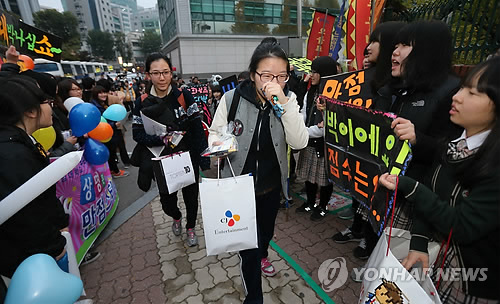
(322, 33)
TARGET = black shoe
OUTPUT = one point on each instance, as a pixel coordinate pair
(318, 214)
(284, 206)
(345, 236)
(362, 252)
(305, 208)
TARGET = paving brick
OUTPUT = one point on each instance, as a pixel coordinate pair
(195, 299)
(218, 273)
(156, 295)
(182, 264)
(179, 282)
(204, 278)
(198, 254)
(219, 291)
(168, 270)
(182, 293)
(140, 297)
(122, 287)
(232, 260)
(233, 271)
(286, 295)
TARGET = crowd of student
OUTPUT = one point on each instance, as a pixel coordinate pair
(450, 191)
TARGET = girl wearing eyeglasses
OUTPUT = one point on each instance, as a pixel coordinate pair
(24, 108)
(178, 111)
(266, 120)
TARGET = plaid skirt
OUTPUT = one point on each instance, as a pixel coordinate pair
(312, 168)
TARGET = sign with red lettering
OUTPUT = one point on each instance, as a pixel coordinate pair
(320, 35)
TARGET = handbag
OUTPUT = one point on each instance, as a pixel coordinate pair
(385, 279)
(173, 172)
(229, 214)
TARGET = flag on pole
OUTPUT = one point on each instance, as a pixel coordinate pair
(337, 34)
(320, 35)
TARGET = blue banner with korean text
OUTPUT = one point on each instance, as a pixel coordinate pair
(29, 40)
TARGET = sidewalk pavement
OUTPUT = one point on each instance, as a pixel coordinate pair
(143, 262)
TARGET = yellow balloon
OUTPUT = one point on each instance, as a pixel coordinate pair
(46, 137)
(105, 141)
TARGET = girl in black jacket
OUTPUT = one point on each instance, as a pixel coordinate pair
(163, 105)
(24, 108)
(461, 207)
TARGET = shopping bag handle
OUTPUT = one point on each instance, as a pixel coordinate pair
(392, 216)
(230, 167)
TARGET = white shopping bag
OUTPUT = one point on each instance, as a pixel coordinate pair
(229, 216)
(385, 280)
(173, 172)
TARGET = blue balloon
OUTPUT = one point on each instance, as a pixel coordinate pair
(95, 152)
(39, 280)
(115, 112)
(83, 118)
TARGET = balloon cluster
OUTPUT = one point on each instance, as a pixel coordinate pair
(85, 118)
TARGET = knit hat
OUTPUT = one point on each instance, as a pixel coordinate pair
(325, 66)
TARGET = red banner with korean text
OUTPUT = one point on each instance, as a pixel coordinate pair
(320, 35)
(360, 146)
(29, 40)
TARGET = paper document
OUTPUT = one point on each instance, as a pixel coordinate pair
(153, 127)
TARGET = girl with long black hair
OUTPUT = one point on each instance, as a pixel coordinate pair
(461, 203)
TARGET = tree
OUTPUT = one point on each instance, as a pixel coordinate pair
(63, 25)
(102, 44)
(150, 42)
(122, 47)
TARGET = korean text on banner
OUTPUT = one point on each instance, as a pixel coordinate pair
(89, 196)
(320, 35)
(360, 146)
(29, 40)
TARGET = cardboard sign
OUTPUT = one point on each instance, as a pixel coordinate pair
(360, 146)
(200, 93)
(89, 195)
(29, 40)
(352, 87)
(228, 83)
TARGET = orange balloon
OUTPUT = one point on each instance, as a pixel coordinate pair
(26, 63)
(102, 132)
(106, 140)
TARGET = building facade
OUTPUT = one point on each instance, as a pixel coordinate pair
(145, 19)
(23, 8)
(206, 37)
(91, 15)
(122, 16)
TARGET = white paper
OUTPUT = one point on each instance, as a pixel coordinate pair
(153, 127)
(156, 150)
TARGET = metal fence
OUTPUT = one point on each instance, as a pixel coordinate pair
(474, 24)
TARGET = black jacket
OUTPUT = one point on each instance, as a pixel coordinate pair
(428, 111)
(35, 228)
(167, 111)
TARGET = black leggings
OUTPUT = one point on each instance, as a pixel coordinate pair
(190, 196)
(325, 192)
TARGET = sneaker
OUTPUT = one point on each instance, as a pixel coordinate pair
(121, 173)
(346, 236)
(305, 208)
(177, 227)
(267, 268)
(192, 239)
(362, 252)
(318, 214)
(126, 166)
(346, 214)
(90, 257)
(283, 204)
